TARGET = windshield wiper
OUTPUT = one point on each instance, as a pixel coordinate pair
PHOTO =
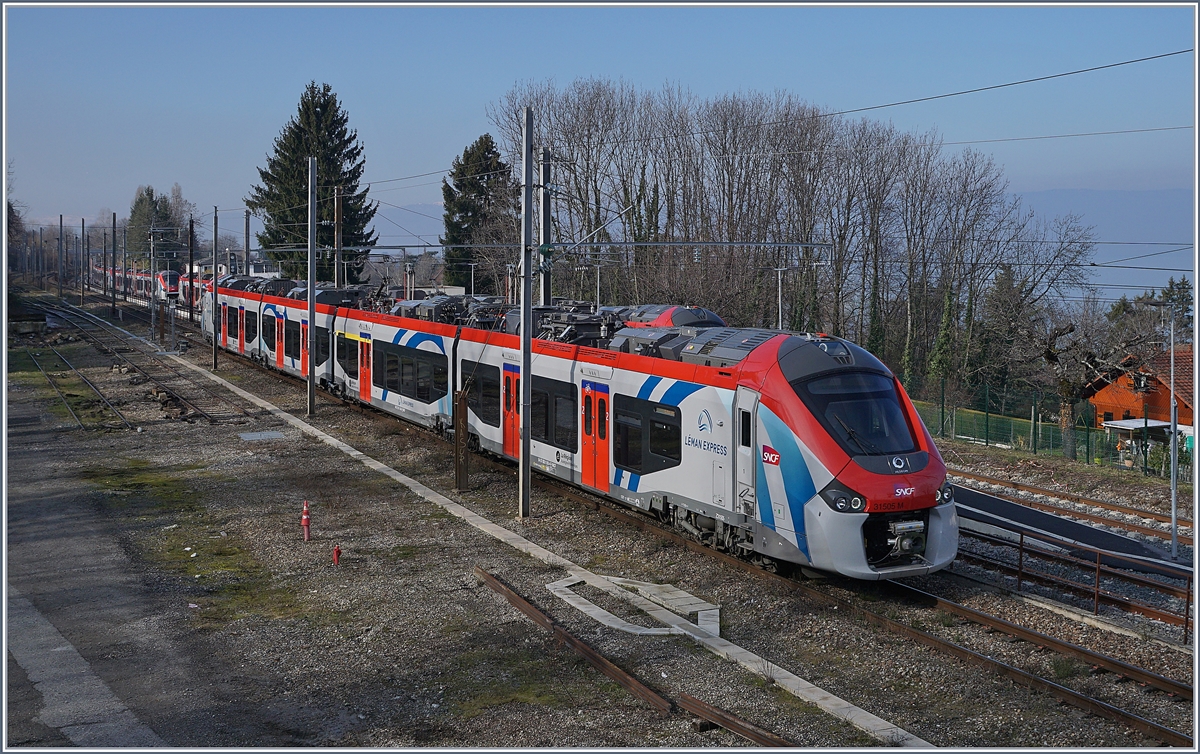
(864, 443)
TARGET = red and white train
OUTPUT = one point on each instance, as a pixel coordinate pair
(780, 447)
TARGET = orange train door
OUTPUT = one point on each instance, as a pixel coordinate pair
(241, 329)
(512, 410)
(279, 348)
(594, 449)
(304, 347)
(364, 371)
(224, 326)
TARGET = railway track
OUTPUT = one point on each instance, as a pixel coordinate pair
(1079, 500)
(194, 399)
(1091, 705)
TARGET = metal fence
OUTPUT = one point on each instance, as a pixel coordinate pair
(1094, 446)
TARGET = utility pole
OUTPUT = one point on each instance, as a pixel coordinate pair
(312, 285)
(546, 230)
(60, 253)
(113, 292)
(215, 309)
(41, 261)
(1174, 449)
(153, 308)
(191, 268)
(472, 265)
(246, 245)
(338, 274)
(779, 295)
(524, 379)
(598, 266)
(82, 257)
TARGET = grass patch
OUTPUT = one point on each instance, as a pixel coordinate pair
(189, 547)
(504, 675)
(153, 487)
(1065, 667)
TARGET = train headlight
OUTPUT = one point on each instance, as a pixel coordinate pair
(843, 500)
(944, 495)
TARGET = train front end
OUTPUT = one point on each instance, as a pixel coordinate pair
(850, 465)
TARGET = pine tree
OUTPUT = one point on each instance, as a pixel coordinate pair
(319, 129)
(478, 196)
(150, 211)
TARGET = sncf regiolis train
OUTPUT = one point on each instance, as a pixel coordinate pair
(780, 447)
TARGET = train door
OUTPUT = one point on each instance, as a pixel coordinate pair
(224, 326)
(242, 330)
(512, 410)
(364, 371)
(304, 348)
(746, 441)
(279, 346)
(594, 447)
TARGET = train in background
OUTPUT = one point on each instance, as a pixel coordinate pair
(779, 447)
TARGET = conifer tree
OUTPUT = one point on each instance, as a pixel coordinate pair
(478, 197)
(319, 129)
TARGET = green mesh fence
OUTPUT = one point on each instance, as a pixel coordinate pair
(1095, 446)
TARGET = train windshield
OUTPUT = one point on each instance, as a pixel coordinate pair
(861, 410)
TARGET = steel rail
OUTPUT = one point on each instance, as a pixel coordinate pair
(1071, 560)
(1093, 517)
(1117, 507)
(1169, 685)
(62, 397)
(1103, 598)
(732, 722)
(1074, 698)
(72, 318)
(599, 661)
(701, 709)
(95, 389)
(1069, 696)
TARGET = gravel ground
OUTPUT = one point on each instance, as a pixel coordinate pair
(402, 646)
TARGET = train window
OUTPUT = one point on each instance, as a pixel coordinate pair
(322, 345)
(424, 380)
(553, 412)
(539, 416)
(627, 443)
(231, 321)
(268, 331)
(861, 410)
(647, 436)
(408, 377)
(346, 353)
(665, 440)
(744, 418)
(291, 339)
(587, 415)
(440, 380)
(391, 372)
(564, 422)
(484, 395)
(251, 326)
(379, 367)
(602, 417)
(507, 393)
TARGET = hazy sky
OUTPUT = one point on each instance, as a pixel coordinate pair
(99, 100)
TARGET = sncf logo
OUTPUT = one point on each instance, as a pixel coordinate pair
(902, 491)
(770, 455)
